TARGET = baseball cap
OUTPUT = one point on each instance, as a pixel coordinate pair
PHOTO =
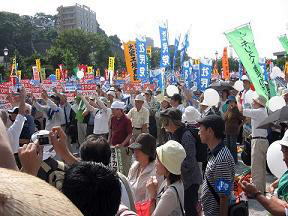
(172, 113)
(146, 143)
(171, 155)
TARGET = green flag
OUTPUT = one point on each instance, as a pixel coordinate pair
(242, 41)
(284, 42)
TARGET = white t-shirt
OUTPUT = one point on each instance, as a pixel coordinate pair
(101, 121)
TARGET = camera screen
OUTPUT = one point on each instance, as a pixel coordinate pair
(43, 140)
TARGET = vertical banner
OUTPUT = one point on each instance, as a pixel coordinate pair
(111, 63)
(43, 74)
(58, 74)
(14, 67)
(240, 69)
(98, 72)
(242, 41)
(130, 59)
(149, 51)
(38, 65)
(196, 75)
(185, 46)
(18, 74)
(225, 65)
(262, 62)
(176, 46)
(284, 42)
(164, 57)
(187, 74)
(35, 73)
(90, 70)
(141, 58)
(286, 71)
(205, 76)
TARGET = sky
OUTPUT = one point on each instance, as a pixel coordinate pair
(206, 20)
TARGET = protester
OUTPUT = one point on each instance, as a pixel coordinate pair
(143, 168)
(52, 112)
(190, 115)
(102, 116)
(259, 143)
(111, 97)
(223, 101)
(139, 117)
(162, 135)
(190, 171)
(169, 198)
(93, 188)
(121, 133)
(153, 107)
(176, 102)
(246, 93)
(233, 122)
(220, 166)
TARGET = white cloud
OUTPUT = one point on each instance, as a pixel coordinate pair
(207, 19)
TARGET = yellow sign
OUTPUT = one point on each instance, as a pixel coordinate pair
(19, 72)
(286, 70)
(149, 51)
(196, 61)
(131, 59)
(38, 65)
(90, 70)
(98, 72)
(111, 63)
(58, 74)
(13, 68)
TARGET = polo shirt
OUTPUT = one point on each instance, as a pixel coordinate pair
(257, 116)
(220, 166)
(120, 129)
(101, 121)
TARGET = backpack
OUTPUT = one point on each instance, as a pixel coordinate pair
(201, 149)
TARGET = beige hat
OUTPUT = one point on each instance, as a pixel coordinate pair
(284, 140)
(191, 115)
(118, 105)
(259, 99)
(171, 155)
(140, 97)
(112, 93)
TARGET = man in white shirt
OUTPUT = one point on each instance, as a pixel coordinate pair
(139, 117)
(259, 143)
(102, 115)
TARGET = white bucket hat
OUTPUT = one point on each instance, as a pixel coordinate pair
(112, 93)
(118, 105)
(191, 115)
(171, 155)
(140, 97)
(259, 99)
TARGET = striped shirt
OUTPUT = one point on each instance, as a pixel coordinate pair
(220, 166)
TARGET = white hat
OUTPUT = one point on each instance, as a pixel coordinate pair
(171, 155)
(112, 93)
(284, 140)
(118, 105)
(140, 97)
(244, 77)
(204, 103)
(191, 115)
(14, 110)
(259, 99)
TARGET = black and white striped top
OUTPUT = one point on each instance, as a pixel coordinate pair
(220, 166)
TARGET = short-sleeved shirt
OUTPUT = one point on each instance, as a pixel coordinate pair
(168, 203)
(140, 118)
(220, 166)
(257, 116)
(120, 129)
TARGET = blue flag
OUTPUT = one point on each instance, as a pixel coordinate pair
(176, 45)
(240, 70)
(185, 45)
(141, 58)
(205, 76)
(196, 75)
(165, 58)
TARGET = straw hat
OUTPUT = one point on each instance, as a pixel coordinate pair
(259, 99)
(26, 195)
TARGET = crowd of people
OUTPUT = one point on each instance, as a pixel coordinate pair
(174, 155)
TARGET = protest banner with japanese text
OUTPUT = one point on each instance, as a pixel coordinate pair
(242, 41)
(204, 76)
(141, 58)
(164, 57)
(58, 74)
(35, 73)
(38, 65)
(131, 59)
(225, 65)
